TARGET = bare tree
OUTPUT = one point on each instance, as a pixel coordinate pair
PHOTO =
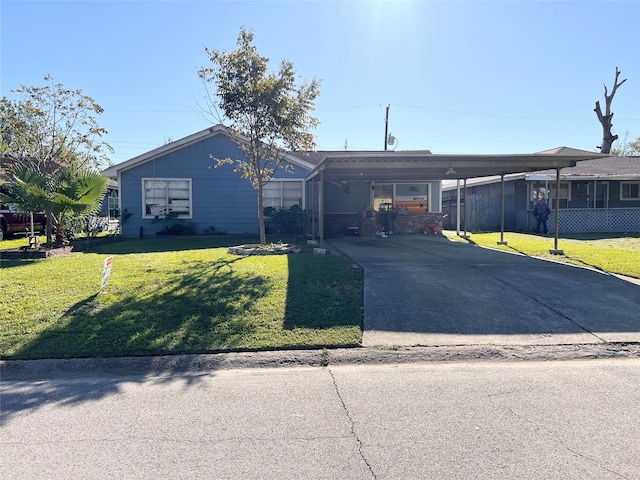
(606, 120)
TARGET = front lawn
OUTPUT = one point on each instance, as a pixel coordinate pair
(613, 253)
(170, 296)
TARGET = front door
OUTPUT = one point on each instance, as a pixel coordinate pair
(601, 196)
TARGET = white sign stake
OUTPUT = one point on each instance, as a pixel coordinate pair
(106, 271)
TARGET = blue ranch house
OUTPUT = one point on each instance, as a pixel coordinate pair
(357, 192)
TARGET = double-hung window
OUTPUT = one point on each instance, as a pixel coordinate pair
(281, 195)
(629, 190)
(162, 196)
(547, 190)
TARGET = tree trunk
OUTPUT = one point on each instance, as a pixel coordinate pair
(49, 229)
(263, 236)
(606, 119)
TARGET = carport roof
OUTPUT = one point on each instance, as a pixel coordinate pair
(424, 165)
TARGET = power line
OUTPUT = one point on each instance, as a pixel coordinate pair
(524, 117)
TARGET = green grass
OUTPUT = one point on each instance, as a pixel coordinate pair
(170, 296)
(613, 253)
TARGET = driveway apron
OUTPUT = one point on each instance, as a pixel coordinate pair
(428, 290)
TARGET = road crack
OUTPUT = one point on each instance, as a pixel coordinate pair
(353, 426)
(564, 444)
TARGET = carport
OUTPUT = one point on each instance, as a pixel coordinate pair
(398, 166)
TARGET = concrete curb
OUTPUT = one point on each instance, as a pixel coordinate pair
(16, 370)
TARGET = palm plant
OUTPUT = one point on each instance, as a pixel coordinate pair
(62, 194)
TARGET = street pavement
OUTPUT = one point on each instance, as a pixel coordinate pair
(476, 420)
(425, 290)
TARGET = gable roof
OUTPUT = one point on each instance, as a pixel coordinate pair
(297, 159)
(605, 167)
(601, 167)
(424, 165)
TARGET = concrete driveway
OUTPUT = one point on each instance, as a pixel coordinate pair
(424, 290)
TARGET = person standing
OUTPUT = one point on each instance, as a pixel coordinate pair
(541, 212)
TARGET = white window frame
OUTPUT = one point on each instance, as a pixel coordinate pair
(166, 180)
(548, 188)
(282, 181)
(394, 195)
(113, 206)
(385, 201)
(629, 199)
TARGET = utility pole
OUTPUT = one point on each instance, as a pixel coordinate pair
(386, 127)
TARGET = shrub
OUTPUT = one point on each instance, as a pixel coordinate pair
(291, 221)
(172, 225)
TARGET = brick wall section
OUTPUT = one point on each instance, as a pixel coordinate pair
(414, 223)
(336, 224)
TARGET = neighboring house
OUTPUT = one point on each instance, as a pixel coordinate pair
(109, 209)
(599, 195)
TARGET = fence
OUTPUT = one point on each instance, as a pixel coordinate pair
(585, 220)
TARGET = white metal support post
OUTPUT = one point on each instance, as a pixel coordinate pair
(502, 242)
(555, 250)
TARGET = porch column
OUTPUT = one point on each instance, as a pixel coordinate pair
(502, 242)
(555, 250)
(458, 207)
(314, 210)
(321, 206)
(464, 216)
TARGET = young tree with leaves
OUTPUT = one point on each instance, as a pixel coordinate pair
(606, 119)
(50, 129)
(53, 124)
(268, 113)
(626, 148)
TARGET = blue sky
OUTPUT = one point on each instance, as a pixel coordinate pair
(460, 77)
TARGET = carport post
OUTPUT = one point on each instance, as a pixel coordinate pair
(321, 206)
(458, 207)
(464, 216)
(502, 242)
(555, 250)
(314, 210)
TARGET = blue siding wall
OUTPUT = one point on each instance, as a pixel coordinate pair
(220, 198)
(348, 198)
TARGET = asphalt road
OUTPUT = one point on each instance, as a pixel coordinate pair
(480, 420)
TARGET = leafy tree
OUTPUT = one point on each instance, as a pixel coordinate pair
(267, 111)
(606, 119)
(67, 192)
(50, 127)
(627, 149)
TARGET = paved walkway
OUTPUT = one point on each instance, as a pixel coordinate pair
(424, 290)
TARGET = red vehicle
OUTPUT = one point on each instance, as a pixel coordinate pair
(13, 223)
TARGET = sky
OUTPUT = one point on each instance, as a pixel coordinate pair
(485, 77)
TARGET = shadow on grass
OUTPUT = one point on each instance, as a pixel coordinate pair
(123, 246)
(204, 311)
(189, 313)
(323, 292)
(193, 313)
(598, 236)
(163, 243)
(9, 263)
